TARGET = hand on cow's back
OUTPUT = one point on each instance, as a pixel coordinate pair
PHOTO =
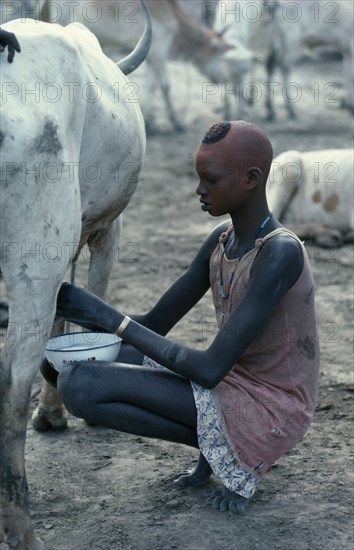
(9, 39)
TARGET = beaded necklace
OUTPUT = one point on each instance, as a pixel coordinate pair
(225, 294)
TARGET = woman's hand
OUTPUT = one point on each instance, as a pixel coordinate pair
(80, 306)
(9, 39)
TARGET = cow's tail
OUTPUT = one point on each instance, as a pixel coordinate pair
(141, 50)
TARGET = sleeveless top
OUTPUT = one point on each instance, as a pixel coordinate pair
(267, 399)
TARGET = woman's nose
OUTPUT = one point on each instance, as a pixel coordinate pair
(200, 190)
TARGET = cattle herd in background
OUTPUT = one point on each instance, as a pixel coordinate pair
(225, 40)
(278, 34)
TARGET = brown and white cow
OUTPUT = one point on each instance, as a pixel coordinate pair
(71, 155)
(312, 192)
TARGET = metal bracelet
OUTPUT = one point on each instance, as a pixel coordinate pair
(123, 325)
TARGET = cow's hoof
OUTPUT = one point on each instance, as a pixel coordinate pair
(30, 543)
(55, 418)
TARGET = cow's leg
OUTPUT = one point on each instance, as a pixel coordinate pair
(242, 99)
(270, 68)
(161, 74)
(288, 103)
(50, 412)
(32, 303)
(148, 101)
(4, 314)
(228, 111)
(15, 520)
(252, 95)
(235, 97)
(104, 252)
(32, 278)
(348, 74)
(172, 115)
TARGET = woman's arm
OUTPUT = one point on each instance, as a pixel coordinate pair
(82, 307)
(272, 275)
(185, 292)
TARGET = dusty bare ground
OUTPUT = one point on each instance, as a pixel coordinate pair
(94, 489)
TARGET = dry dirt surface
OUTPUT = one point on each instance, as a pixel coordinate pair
(95, 489)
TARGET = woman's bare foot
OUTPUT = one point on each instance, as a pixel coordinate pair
(195, 477)
(225, 500)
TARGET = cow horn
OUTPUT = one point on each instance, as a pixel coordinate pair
(132, 61)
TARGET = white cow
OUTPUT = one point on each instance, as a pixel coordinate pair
(313, 193)
(280, 31)
(177, 36)
(71, 153)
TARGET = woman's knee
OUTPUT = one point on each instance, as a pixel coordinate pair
(73, 386)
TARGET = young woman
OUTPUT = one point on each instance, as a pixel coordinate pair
(249, 397)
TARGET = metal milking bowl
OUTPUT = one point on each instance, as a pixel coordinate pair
(75, 347)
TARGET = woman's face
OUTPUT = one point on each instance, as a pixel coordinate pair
(222, 179)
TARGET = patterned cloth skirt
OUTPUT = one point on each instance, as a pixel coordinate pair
(213, 441)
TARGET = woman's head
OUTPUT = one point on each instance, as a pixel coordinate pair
(233, 163)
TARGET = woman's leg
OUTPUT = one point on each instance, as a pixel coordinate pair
(137, 400)
(127, 354)
(141, 401)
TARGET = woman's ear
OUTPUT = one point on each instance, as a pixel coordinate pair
(254, 176)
